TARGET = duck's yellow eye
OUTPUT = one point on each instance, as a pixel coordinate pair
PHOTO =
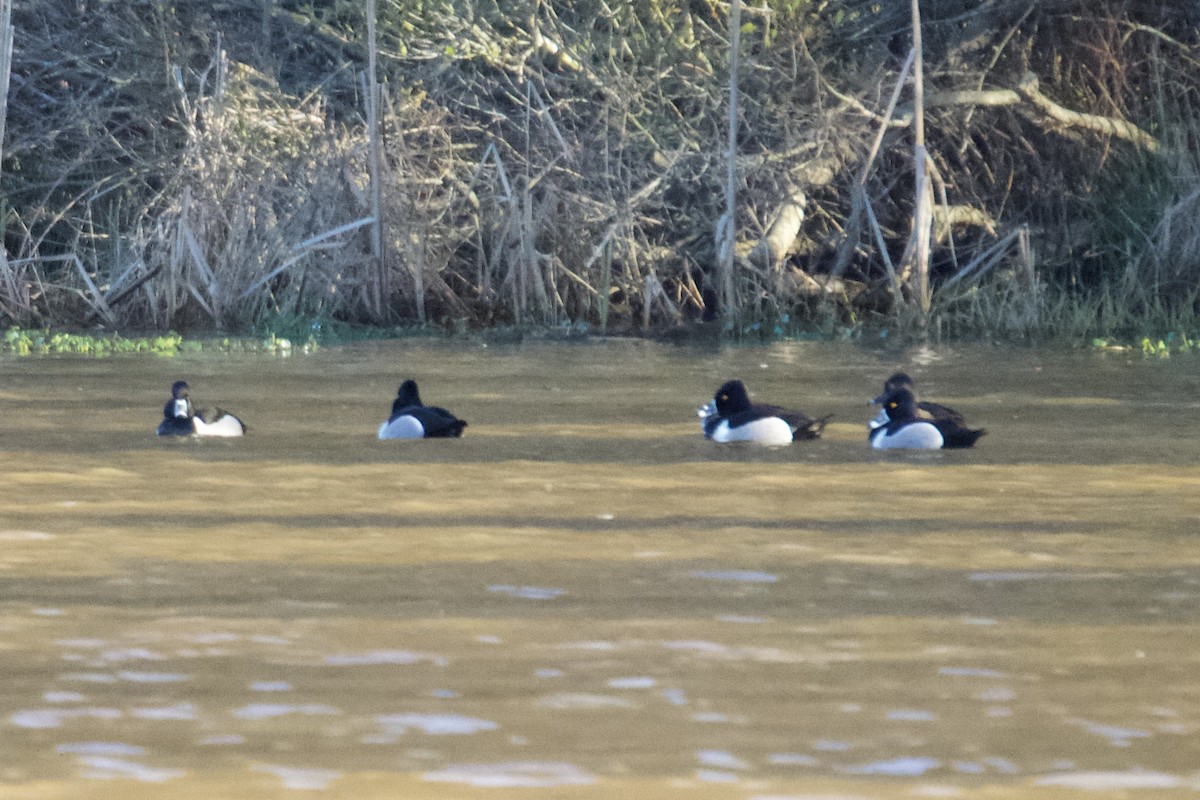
(892, 404)
(724, 397)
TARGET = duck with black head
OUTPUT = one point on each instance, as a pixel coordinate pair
(731, 417)
(180, 417)
(412, 419)
(908, 429)
(949, 422)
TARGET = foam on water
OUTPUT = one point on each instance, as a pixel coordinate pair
(513, 774)
(433, 724)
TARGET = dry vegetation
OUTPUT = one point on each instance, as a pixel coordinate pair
(209, 165)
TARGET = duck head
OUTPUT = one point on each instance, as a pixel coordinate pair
(408, 394)
(900, 405)
(731, 398)
(900, 380)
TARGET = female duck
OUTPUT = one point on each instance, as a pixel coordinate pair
(180, 418)
(925, 409)
(731, 417)
(907, 429)
(412, 419)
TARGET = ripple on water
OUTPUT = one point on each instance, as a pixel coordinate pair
(433, 724)
(1116, 735)
(903, 767)
(26, 536)
(63, 697)
(911, 715)
(513, 774)
(720, 759)
(632, 682)
(179, 711)
(41, 718)
(383, 657)
(1110, 781)
(259, 711)
(101, 749)
(301, 779)
(970, 672)
(528, 592)
(110, 768)
(582, 701)
(735, 575)
(270, 686)
(151, 677)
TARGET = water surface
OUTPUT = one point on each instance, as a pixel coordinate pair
(582, 598)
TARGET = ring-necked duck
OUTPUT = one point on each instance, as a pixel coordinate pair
(412, 419)
(180, 418)
(906, 428)
(731, 417)
(924, 408)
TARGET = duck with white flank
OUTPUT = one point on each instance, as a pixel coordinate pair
(731, 417)
(412, 419)
(907, 429)
(949, 422)
(180, 418)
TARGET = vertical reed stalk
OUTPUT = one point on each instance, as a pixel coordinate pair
(923, 210)
(376, 162)
(727, 233)
(6, 46)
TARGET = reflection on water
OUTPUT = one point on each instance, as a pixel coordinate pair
(582, 597)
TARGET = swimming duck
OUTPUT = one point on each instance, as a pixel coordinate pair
(924, 408)
(906, 428)
(731, 417)
(412, 419)
(180, 418)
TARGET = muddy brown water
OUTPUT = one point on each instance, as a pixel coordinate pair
(582, 598)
